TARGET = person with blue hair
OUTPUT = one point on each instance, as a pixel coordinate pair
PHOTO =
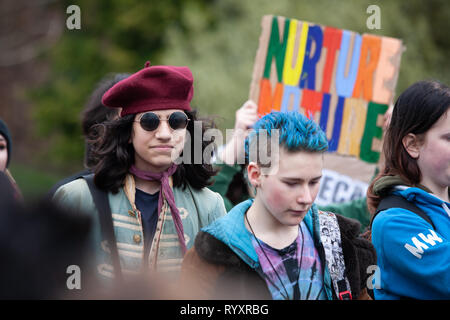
(230, 181)
(278, 245)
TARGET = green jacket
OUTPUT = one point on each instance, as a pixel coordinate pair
(222, 182)
(197, 208)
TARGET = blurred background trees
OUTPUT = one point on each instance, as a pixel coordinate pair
(48, 72)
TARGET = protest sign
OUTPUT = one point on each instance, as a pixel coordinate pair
(343, 80)
(338, 188)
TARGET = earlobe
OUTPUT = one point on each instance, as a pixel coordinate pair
(253, 174)
(411, 144)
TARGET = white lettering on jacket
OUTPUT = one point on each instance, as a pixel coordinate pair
(418, 248)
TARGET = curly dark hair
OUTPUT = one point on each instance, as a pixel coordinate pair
(95, 112)
(115, 155)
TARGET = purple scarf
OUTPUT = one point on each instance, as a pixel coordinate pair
(165, 192)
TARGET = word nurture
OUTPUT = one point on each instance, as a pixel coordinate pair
(343, 80)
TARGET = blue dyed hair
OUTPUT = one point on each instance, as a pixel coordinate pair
(296, 132)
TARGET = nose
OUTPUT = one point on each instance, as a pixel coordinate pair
(163, 132)
(305, 196)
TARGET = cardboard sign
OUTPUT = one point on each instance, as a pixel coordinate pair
(338, 188)
(343, 80)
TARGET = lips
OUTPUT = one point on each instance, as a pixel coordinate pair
(299, 212)
(162, 149)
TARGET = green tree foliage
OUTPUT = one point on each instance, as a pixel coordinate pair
(115, 36)
(218, 40)
(222, 57)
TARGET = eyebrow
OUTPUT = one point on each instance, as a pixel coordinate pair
(300, 179)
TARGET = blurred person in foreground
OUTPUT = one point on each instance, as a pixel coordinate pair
(45, 253)
(38, 243)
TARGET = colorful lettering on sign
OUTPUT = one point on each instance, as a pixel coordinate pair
(339, 78)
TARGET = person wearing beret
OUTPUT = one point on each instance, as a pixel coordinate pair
(5, 156)
(158, 203)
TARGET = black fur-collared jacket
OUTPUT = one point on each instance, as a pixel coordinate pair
(211, 270)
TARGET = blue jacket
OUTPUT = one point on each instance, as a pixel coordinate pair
(413, 259)
(231, 230)
(223, 263)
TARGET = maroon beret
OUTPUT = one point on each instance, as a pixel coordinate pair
(152, 88)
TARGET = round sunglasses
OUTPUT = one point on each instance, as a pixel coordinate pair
(150, 121)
